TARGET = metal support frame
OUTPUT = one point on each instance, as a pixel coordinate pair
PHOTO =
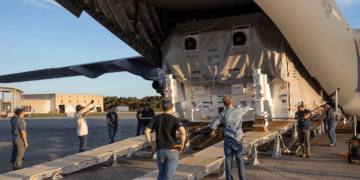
(115, 164)
(337, 105)
(273, 118)
(355, 123)
(222, 168)
(294, 135)
(187, 146)
(57, 175)
(254, 153)
(294, 131)
(277, 147)
(345, 122)
(291, 143)
(277, 152)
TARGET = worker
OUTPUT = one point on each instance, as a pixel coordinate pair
(82, 127)
(166, 148)
(19, 138)
(13, 121)
(332, 123)
(113, 121)
(139, 123)
(304, 117)
(232, 118)
(147, 112)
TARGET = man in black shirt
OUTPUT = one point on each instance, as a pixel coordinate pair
(139, 124)
(147, 112)
(112, 119)
(167, 151)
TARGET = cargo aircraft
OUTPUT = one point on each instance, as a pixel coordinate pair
(271, 53)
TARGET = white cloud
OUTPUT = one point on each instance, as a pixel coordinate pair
(52, 2)
(42, 3)
(346, 3)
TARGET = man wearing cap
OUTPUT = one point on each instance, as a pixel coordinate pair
(139, 124)
(82, 128)
(19, 138)
(303, 116)
(167, 150)
(147, 112)
(232, 118)
(332, 123)
(113, 121)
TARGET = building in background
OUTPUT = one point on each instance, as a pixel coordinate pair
(60, 103)
(7, 105)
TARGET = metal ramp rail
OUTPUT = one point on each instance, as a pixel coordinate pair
(55, 169)
(212, 158)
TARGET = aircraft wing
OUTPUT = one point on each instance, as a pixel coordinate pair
(136, 65)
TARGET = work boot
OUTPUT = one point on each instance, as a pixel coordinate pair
(332, 144)
(16, 168)
(303, 155)
(307, 155)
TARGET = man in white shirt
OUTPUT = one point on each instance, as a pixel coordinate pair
(82, 128)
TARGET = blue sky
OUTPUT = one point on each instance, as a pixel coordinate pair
(39, 34)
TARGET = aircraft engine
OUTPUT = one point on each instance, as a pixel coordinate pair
(157, 86)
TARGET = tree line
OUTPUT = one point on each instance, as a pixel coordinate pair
(133, 102)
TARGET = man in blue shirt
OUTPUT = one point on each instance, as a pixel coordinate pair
(19, 140)
(332, 123)
(232, 118)
(13, 121)
(303, 116)
(113, 121)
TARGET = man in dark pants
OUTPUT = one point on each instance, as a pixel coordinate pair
(332, 123)
(13, 121)
(167, 150)
(19, 140)
(232, 118)
(139, 124)
(113, 121)
(82, 128)
(147, 112)
(303, 116)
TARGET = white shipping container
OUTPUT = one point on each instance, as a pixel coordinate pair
(122, 108)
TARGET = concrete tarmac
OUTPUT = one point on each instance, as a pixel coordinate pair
(54, 138)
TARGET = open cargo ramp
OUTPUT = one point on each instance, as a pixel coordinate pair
(78, 161)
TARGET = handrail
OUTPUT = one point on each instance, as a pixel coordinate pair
(192, 110)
